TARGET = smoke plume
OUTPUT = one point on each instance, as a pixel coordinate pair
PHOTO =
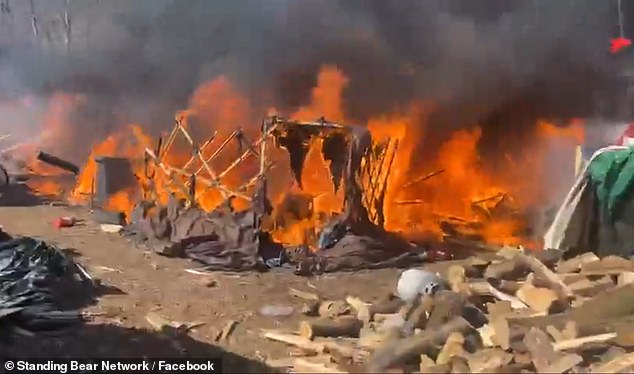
(498, 63)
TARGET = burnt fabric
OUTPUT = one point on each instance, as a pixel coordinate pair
(222, 240)
(334, 150)
(297, 142)
(28, 269)
(356, 252)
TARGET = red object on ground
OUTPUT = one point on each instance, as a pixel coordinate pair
(65, 222)
(627, 137)
(617, 44)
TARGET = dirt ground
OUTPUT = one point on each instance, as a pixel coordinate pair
(134, 282)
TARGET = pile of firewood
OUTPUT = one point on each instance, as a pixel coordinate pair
(511, 312)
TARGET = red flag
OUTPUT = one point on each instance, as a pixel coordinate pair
(616, 45)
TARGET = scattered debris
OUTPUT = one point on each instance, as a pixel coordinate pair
(25, 303)
(511, 313)
(64, 222)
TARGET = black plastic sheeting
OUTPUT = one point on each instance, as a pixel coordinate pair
(28, 270)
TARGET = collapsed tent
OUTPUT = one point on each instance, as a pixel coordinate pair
(28, 270)
(598, 213)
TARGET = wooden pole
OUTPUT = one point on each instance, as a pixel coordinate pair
(217, 151)
(202, 149)
(247, 152)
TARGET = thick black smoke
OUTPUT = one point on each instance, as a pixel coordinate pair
(499, 63)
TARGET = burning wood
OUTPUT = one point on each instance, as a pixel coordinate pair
(58, 162)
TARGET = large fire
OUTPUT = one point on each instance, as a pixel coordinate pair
(454, 186)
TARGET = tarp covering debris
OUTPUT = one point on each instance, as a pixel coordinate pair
(598, 212)
(28, 269)
(222, 239)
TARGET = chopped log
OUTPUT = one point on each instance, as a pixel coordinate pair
(452, 347)
(488, 360)
(625, 278)
(385, 307)
(344, 326)
(294, 340)
(537, 298)
(578, 342)
(487, 289)
(544, 272)
(418, 317)
(425, 363)
(609, 263)
(540, 348)
(573, 265)
(594, 315)
(499, 309)
(319, 365)
(356, 303)
(502, 332)
(331, 309)
(620, 364)
(311, 308)
(596, 287)
(487, 334)
(369, 338)
(415, 345)
(564, 363)
(303, 294)
(317, 345)
(520, 265)
(447, 306)
(459, 365)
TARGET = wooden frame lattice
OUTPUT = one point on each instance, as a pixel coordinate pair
(376, 164)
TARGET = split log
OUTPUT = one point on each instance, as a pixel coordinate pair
(544, 272)
(304, 365)
(418, 317)
(520, 265)
(317, 346)
(415, 345)
(356, 303)
(385, 307)
(620, 364)
(502, 332)
(372, 339)
(331, 309)
(303, 294)
(578, 342)
(540, 348)
(310, 308)
(485, 288)
(447, 306)
(488, 360)
(609, 263)
(537, 298)
(573, 265)
(453, 347)
(594, 315)
(344, 326)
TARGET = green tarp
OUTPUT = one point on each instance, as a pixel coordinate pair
(612, 174)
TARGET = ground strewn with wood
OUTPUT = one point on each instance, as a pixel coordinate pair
(510, 312)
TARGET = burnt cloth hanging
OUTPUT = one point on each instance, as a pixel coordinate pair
(297, 141)
(334, 149)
